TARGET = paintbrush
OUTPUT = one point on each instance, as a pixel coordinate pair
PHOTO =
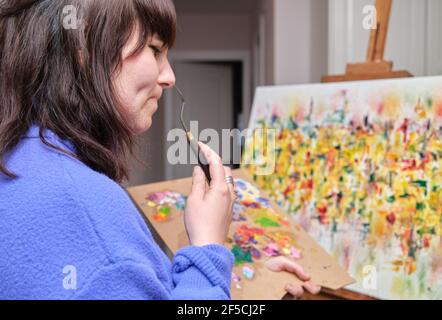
(202, 161)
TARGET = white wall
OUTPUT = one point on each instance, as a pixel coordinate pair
(214, 24)
(214, 6)
(213, 32)
(292, 41)
(433, 55)
(414, 41)
(300, 38)
(266, 12)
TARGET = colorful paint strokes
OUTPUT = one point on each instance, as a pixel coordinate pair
(248, 272)
(236, 280)
(163, 202)
(263, 230)
(260, 231)
(359, 165)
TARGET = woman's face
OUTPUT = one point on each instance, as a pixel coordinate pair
(140, 82)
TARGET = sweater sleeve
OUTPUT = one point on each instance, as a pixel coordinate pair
(202, 273)
(198, 273)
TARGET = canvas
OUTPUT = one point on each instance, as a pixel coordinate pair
(359, 166)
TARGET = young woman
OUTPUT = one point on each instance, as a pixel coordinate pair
(73, 96)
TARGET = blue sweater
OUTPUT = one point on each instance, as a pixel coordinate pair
(69, 232)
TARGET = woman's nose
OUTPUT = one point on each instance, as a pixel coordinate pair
(167, 76)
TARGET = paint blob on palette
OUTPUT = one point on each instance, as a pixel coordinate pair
(163, 202)
(359, 166)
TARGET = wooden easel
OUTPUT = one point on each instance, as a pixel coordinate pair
(375, 67)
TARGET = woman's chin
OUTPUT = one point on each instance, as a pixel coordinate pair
(143, 126)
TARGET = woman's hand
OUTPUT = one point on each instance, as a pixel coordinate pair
(282, 263)
(208, 212)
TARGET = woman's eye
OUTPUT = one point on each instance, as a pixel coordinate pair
(156, 51)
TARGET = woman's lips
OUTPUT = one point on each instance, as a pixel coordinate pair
(158, 95)
(154, 98)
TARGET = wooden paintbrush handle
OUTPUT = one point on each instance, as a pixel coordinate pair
(202, 161)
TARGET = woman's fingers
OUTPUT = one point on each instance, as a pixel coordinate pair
(283, 263)
(311, 287)
(198, 183)
(216, 168)
(295, 290)
(228, 172)
(293, 267)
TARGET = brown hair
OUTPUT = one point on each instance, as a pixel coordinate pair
(60, 78)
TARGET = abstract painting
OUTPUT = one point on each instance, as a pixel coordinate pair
(359, 166)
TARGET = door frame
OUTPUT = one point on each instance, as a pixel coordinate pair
(242, 56)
